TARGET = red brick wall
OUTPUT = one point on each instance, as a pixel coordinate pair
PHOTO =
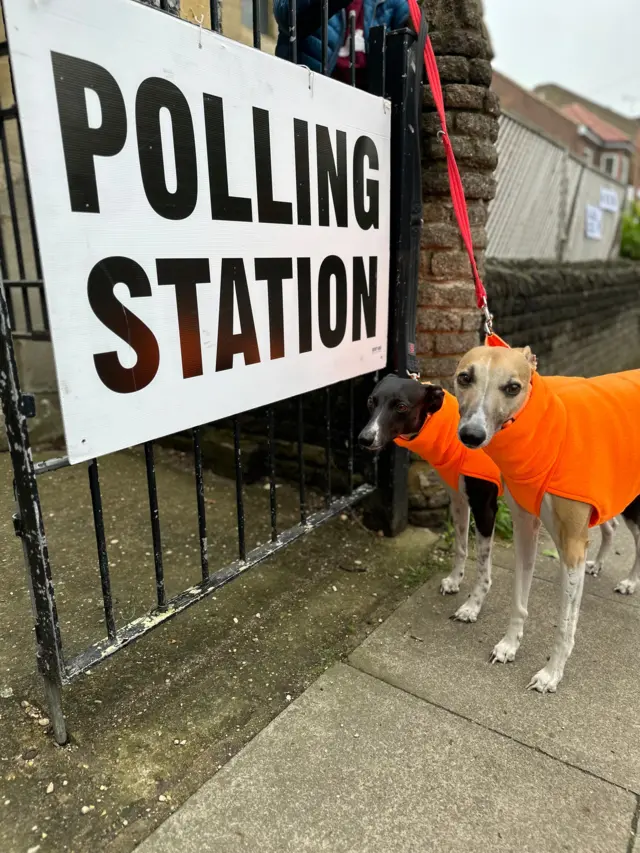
(447, 319)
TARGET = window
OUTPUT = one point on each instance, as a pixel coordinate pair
(587, 153)
(264, 10)
(609, 164)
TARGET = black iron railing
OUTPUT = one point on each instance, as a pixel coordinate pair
(23, 314)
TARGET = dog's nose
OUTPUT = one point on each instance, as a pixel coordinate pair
(365, 439)
(472, 436)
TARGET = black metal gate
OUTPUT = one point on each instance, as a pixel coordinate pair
(393, 72)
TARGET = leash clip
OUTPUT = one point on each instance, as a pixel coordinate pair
(414, 376)
(488, 319)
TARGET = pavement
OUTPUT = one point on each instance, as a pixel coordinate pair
(150, 725)
(416, 743)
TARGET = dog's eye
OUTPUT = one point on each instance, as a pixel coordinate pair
(370, 403)
(402, 407)
(512, 389)
(463, 380)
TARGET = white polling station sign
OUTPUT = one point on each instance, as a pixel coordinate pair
(213, 222)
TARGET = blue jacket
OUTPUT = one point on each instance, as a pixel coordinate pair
(393, 13)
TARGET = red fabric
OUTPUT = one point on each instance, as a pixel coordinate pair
(455, 183)
(576, 438)
(438, 444)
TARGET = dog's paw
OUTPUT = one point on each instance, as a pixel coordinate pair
(467, 612)
(626, 587)
(505, 651)
(450, 585)
(545, 681)
(593, 568)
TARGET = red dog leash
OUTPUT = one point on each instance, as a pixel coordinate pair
(455, 182)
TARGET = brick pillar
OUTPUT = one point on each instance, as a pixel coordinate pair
(447, 318)
(448, 322)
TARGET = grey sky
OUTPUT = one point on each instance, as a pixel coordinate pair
(589, 46)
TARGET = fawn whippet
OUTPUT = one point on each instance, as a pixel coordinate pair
(569, 457)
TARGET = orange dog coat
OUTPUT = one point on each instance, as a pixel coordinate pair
(439, 445)
(579, 439)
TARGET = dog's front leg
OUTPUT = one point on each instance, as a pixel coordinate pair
(568, 523)
(460, 513)
(483, 501)
(525, 535)
(468, 612)
(594, 567)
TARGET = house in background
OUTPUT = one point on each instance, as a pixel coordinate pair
(615, 128)
(605, 146)
(535, 112)
(614, 148)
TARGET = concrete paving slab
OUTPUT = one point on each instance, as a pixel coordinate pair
(356, 766)
(617, 566)
(592, 722)
(158, 718)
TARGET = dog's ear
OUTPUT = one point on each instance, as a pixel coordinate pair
(433, 398)
(531, 358)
